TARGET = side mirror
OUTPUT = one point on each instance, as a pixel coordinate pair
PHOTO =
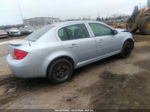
(114, 32)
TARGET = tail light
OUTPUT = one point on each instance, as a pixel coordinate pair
(19, 54)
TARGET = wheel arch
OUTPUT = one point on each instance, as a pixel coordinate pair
(61, 57)
(127, 39)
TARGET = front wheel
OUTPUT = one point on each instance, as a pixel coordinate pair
(60, 71)
(127, 48)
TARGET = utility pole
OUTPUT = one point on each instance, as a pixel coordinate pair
(148, 3)
(20, 10)
(140, 5)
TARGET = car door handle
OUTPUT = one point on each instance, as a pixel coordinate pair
(100, 40)
(73, 46)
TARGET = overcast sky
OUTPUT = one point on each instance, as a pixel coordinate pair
(12, 11)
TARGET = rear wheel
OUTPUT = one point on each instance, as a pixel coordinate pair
(127, 48)
(145, 26)
(60, 71)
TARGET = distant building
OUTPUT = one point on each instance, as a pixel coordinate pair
(39, 22)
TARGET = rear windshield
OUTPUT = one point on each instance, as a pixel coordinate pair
(38, 33)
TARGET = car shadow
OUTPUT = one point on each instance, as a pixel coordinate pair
(98, 63)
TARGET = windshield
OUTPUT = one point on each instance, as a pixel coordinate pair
(38, 33)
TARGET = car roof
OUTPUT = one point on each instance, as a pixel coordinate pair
(75, 22)
(67, 23)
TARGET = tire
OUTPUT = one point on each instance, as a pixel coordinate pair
(60, 71)
(130, 25)
(127, 48)
(144, 26)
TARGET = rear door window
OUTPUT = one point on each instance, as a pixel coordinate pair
(73, 32)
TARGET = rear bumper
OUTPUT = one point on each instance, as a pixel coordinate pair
(14, 33)
(29, 67)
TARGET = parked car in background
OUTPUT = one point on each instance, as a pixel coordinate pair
(14, 32)
(55, 51)
(3, 34)
(26, 30)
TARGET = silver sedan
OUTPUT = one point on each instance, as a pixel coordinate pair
(54, 51)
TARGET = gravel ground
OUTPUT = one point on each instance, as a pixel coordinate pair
(112, 83)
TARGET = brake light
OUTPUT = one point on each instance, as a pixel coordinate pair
(19, 54)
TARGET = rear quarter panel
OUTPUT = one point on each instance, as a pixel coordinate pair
(48, 52)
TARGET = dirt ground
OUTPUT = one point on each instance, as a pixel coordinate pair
(112, 83)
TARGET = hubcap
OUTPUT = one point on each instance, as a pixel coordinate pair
(61, 70)
(127, 49)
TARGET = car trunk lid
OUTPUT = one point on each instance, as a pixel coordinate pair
(17, 44)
